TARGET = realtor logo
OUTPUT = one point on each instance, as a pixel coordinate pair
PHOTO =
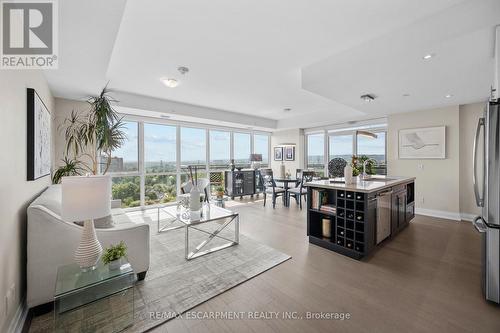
(29, 34)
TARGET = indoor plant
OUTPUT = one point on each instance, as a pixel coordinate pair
(219, 191)
(113, 254)
(91, 138)
(357, 165)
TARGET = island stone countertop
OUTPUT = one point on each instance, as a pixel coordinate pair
(375, 183)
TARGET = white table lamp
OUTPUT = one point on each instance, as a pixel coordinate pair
(85, 198)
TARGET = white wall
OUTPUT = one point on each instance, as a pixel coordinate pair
(437, 189)
(16, 191)
(295, 136)
(469, 115)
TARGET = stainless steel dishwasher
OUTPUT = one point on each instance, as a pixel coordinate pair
(383, 228)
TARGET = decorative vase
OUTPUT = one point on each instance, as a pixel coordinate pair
(89, 250)
(231, 165)
(326, 230)
(194, 202)
(348, 174)
(282, 170)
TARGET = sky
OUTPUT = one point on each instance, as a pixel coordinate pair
(160, 144)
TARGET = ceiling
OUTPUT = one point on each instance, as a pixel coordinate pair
(248, 62)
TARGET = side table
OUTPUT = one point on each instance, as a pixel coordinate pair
(98, 300)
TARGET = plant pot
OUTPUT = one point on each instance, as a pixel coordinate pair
(219, 194)
(115, 264)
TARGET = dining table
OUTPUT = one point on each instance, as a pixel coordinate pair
(286, 181)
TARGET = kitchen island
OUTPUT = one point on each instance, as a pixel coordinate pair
(352, 219)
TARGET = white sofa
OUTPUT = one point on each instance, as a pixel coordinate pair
(51, 242)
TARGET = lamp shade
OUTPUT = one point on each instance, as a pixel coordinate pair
(86, 197)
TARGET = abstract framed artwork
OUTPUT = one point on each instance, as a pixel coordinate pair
(422, 143)
(289, 153)
(278, 153)
(39, 136)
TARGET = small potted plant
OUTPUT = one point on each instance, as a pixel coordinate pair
(113, 255)
(219, 191)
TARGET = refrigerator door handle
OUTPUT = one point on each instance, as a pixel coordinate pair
(479, 199)
(480, 227)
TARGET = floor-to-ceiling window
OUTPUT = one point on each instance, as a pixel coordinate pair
(261, 146)
(341, 146)
(125, 162)
(220, 150)
(242, 149)
(316, 152)
(344, 143)
(151, 165)
(374, 148)
(160, 166)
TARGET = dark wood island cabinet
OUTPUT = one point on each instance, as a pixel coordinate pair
(359, 216)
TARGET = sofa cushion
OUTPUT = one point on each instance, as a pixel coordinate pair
(50, 199)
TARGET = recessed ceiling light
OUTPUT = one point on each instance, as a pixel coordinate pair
(449, 96)
(367, 97)
(428, 56)
(406, 95)
(170, 82)
(287, 109)
(183, 70)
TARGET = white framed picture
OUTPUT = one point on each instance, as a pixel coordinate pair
(422, 143)
(39, 136)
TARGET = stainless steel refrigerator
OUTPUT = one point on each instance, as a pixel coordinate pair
(486, 180)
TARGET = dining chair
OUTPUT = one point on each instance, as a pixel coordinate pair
(301, 189)
(270, 186)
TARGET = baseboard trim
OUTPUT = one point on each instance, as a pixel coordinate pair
(17, 323)
(467, 217)
(438, 213)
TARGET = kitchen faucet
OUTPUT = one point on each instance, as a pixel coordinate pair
(364, 175)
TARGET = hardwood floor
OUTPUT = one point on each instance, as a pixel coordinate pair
(426, 279)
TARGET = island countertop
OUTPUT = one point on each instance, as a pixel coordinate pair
(375, 183)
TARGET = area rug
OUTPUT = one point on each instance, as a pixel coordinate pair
(174, 285)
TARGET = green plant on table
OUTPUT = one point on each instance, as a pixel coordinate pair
(219, 190)
(114, 252)
(71, 167)
(357, 165)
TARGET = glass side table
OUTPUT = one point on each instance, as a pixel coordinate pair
(99, 300)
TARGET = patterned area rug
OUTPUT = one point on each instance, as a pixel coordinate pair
(174, 285)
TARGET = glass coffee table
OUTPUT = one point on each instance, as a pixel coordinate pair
(189, 220)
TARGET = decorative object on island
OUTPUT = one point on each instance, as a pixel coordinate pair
(86, 198)
(113, 255)
(348, 174)
(255, 159)
(357, 165)
(336, 167)
(91, 136)
(39, 136)
(278, 153)
(289, 153)
(326, 227)
(232, 166)
(422, 143)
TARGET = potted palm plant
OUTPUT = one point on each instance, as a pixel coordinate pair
(91, 138)
(219, 191)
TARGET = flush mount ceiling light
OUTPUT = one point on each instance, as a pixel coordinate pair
(406, 95)
(367, 97)
(429, 56)
(367, 134)
(448, 96)
(287, 109)
(170, 82)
